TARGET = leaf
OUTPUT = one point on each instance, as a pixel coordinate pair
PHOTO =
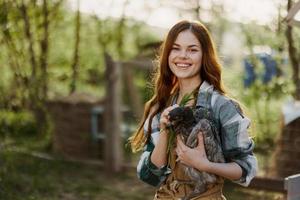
(186, 98)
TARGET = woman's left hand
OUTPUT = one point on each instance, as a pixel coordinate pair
(195, 157)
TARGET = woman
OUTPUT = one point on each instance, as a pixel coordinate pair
(188, 64)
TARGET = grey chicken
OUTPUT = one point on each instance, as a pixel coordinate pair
(185, 124)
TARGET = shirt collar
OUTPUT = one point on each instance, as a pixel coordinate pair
(204, 87)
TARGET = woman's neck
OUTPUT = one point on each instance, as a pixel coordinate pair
(187, 87)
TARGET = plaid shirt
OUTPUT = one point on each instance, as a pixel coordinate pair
(232, 125)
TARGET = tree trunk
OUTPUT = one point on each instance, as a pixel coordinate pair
(293, 56)
(76, 52)
(27, 29)
(38, 78)
(44, 53)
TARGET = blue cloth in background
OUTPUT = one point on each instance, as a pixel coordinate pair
(270, 69)
(250, 74)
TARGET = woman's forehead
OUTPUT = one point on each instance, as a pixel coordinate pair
(186, 38)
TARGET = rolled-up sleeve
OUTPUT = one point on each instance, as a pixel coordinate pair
(236, 144)
(147, 171)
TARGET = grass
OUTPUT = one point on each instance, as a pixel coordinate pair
(24, 177)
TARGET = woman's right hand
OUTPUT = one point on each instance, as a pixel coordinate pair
(159, 155)
(164, 118)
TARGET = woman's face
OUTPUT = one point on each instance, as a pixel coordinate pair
(185, 56)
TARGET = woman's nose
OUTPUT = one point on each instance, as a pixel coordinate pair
(183, 54)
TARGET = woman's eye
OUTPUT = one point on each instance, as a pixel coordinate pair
(175, 48)
(193, 50)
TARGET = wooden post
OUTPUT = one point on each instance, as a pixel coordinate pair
(113, 141)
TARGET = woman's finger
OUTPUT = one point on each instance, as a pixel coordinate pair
(165, 113)
(181, 145)
(179, 141)
(171, 107)
(175, 106)
(200, 141)
(168, 109)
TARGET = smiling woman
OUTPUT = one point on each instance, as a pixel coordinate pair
(188, 64)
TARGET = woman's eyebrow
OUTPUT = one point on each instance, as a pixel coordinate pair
(194, 45)
(189, 46)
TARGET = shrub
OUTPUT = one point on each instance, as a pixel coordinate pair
(15, 124)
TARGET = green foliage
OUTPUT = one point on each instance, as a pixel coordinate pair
(185, 99)
(261, 103)
(16, 124)
(255, 34)
(264, 102)
(94, 33)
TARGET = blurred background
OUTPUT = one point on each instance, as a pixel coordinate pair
(75, 75)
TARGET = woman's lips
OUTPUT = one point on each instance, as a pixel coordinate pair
(183, 65)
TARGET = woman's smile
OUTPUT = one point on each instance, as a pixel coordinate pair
(183, 65)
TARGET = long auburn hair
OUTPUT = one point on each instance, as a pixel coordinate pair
(165, 82)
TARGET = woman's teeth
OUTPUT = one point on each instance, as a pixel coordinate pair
(182, 65)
